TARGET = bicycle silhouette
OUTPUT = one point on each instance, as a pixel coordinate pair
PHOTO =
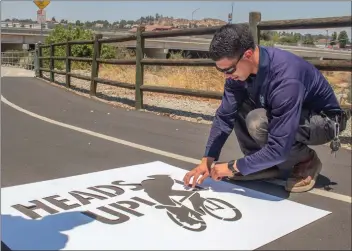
(159, 188)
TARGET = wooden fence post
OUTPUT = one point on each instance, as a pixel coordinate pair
(254, 19)
(95, 64)
(139, 68)
(68, 65)
(52, 53)
(40, 61)
(36, 60)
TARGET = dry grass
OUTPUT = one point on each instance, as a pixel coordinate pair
(199, 78)
(336, 78)
(206, 78)
(341, 83)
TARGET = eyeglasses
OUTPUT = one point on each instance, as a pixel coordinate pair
(227, 70)
(232, 68)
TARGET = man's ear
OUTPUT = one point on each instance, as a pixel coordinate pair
(248, 54)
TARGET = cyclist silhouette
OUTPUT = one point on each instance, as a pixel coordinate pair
(159, 188)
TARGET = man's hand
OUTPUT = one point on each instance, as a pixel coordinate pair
(203, 169)
(219, 171)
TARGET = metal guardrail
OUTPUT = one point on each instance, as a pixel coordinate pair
(255, 25)
(21, 59)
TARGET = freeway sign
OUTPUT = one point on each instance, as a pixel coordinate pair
(41, 3)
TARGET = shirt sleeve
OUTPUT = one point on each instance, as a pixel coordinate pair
(223, 123)
(286, 104)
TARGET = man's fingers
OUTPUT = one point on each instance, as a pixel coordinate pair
(206, 175)
(214, 175)
(195, 178)
(188, 177)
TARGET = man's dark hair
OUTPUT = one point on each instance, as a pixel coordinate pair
(231, 41)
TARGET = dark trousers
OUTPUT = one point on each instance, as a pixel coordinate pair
(251, 129)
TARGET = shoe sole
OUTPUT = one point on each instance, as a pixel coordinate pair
(307, 187)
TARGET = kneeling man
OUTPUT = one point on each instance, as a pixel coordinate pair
(277, 103)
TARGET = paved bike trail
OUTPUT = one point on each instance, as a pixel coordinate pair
(34, 150)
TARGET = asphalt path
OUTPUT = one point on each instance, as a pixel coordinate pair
(34, 150)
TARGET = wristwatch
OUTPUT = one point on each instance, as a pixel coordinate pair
(231, 168)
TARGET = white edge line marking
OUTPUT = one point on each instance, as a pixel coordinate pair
(315, 191)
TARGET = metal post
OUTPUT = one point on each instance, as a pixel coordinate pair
(232, 13)
(192, 16)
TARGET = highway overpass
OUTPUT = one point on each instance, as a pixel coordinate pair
(13, 38)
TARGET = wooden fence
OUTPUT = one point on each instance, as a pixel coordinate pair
(255, 23)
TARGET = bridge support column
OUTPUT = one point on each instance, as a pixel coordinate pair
(156, 53)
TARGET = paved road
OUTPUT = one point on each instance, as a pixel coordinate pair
(34, 150)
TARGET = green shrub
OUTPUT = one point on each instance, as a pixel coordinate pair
(69, 33)
(267, 43)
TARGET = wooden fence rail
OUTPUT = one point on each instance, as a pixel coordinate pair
(255, 23)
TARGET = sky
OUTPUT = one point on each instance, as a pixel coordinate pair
(132, 10)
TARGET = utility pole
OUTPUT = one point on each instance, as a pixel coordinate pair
(232, 13)
(193, 14)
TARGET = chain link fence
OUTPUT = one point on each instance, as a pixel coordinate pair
(20, 59)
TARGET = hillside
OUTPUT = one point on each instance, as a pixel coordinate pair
(181, 22)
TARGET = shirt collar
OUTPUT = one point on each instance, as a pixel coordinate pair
(264, 62)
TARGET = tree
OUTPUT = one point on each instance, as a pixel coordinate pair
(123, 23)
(343, 39)
(275, 37)
(106, 24)
(297, 37)
(308, 39)
(288, 40)
(333, 38)
(265, 35)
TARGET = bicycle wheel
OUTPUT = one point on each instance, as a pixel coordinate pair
(214, 201)
(201, 226)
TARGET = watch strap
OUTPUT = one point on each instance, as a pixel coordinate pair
(231, 168)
